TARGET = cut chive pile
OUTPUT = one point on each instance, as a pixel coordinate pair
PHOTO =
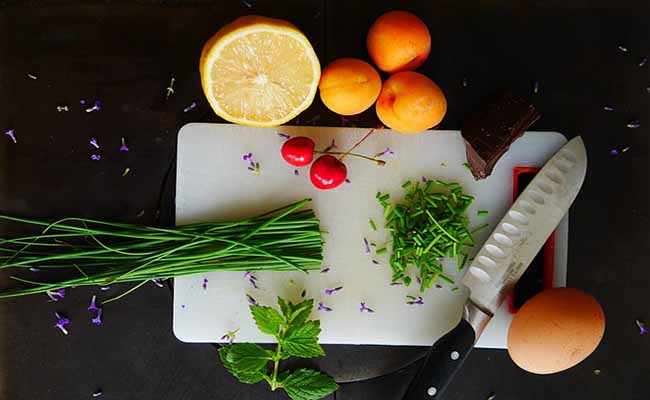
(427, 227)
(76, 251)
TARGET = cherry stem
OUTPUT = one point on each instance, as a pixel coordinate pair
(356, 144)
(337, 153)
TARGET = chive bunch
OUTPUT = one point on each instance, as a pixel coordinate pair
(77, 251)
(427, 227)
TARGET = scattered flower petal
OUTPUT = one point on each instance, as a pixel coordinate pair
(251, 300)
(55, 295)
(126, 171)
(492, 396)
(643, 61)
(62, 108)
(412, 300)
(95, 157)
(97, 320)
(191, 107)
(323, 307)
(397, 283)
(93, 142)
(252, 165)
(295, 172)
(366, 246)
(93, 304)
(98, 393)
(97, 106)
(463, 83)
(597, 372)
(536, 87)
(625, 149)
(247, 3)
(623, 48)
(170, 88)
(347, 181)
(375, 262)
(331, 146)
(642, 328)
(11, 134)
(303, 293)
(608, 108)
(104, 288)
(123, 147)
(613, 152)
(61, 323)
(82, 102)
(158, 282)
(324, 270)
(32, 76)
(634, 124)
(388, 152)
(140, 214)
(424, 180)
(365, 308)
(34, 269)
(205, 283)
(230, 335)
(284, 136)
(330, 292)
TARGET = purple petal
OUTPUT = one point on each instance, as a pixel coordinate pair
(284, 136)
(418, 301)
(608, 108)
(324, 270)
(98, 318)
(613, 152)
(93, 306)
(247, 156)
(365, 308)
(251, 300)
(190, 107)
(10, 133)
(205, 283)
(97, 393)
(642, 328)
(61, 322)
(323, 307)
(95, 157)
(93, 142)
(634, 124)
(388, 153)
(123, 147)
(366, 246)
(329, 292)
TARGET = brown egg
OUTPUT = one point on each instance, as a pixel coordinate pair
(555, 330)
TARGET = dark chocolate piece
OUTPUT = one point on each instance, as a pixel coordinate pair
(489, 133)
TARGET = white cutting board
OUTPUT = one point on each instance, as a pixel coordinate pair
(213, 183)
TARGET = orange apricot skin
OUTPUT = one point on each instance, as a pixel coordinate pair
(349, 86)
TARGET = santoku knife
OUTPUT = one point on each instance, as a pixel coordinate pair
(500, 263)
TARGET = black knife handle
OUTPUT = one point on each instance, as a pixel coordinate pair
(441, 364)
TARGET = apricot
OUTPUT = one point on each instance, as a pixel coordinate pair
(410, 102)
(398, 41)
(349, 86)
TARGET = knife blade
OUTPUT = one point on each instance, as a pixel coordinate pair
(501, 261)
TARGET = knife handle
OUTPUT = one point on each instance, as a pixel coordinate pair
(441, 364)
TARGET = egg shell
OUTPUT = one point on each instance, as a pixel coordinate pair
(555, 330)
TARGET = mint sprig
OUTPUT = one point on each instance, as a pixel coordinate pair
(296, 337)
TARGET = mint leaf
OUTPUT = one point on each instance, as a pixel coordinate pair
(307, 384)
(246, 377)
(245, 359)
(284, 307)
(267, 319)
(302, 341)
(300, 312)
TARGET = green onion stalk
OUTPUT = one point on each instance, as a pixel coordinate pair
(82, 252)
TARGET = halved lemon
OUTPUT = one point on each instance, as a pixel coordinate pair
(259, 71)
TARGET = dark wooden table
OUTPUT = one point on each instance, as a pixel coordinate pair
(124, 54)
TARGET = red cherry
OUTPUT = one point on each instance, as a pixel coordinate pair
(298, 151)
(327, 172)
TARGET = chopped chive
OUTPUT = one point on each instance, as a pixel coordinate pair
(381, 251)
(372, 225)
(482, 213)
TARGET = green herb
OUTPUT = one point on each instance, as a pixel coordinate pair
(466, 165)
(78, 251)
(429, 225)
(482, 213)
(373, 226)
(296, 337)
